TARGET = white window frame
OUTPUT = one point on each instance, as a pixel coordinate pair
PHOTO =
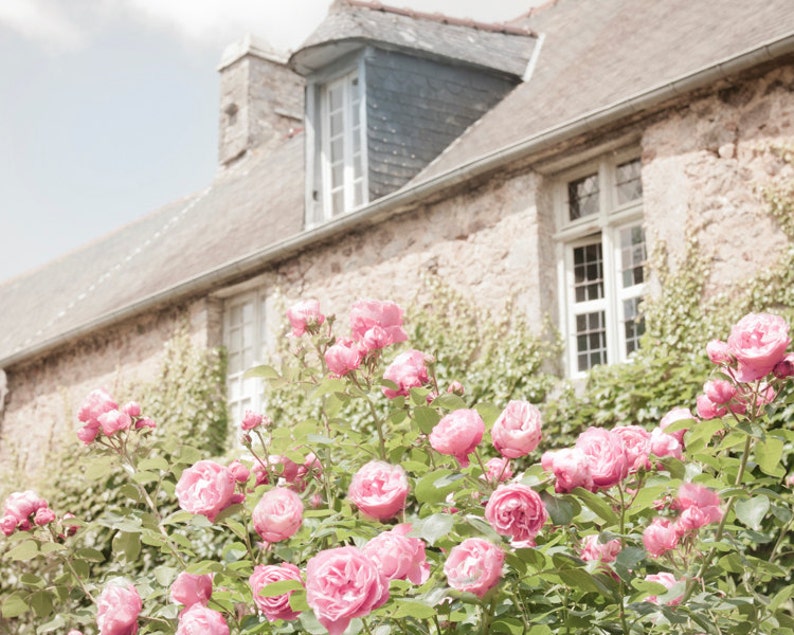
(244, 393)
(319, 194)
(604, 227)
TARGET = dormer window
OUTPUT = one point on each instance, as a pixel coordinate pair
(341, 156)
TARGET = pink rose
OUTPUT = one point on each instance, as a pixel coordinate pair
(74, 631)
(659, 537)
(114, 421)
(240, 472)
(497, 470)
(719, 391)
(207, 488)
(408, 371)
(304, 316)
(278, 514)
(21, 506)
(676, 414)
(275, 607)
(595, 550)
(251, 420)
(605, 456)
(719, 352)
(571, 469)
(458, 434)
(117, 611)
(668, 581)
(343, 357)
(145, 422)
(379, 490)
(707, 409)
(43, 516)
(474, 566)
(199, 620)
(662, 444)
(341, 584)
(190, 589)
(97, 403)
(758, 341)
(636, 443)
(516, 432)
(456, 388)
(516, 511)
(397, 556)
(132, 409)
(785, 367)
(8, 525)
(377, 324)
(694, 518)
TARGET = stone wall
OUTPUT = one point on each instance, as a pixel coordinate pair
(45, 394)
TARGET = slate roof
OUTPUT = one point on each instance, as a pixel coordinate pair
(506, 48)
(595, 55)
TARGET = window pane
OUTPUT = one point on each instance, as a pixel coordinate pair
(632, 255)
(634, 324)
(335, 96)
(628, 181)
(588, 270)
(591, 345)
(583, 197)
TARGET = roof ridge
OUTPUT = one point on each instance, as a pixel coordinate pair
(375, 5)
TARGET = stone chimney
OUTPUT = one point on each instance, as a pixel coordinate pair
(261, 99)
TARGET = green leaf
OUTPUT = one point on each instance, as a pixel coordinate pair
(449, 402)
(561, 509)
(57, 623)
(153, 463)
(263, 371)
(90, 555)
(433, 527)
(768, 453)
(128, 544)
(297, 601)
(14, 606)
(597, 505)
(752, 511)
(413, 608)
(24, 550)
(41, 603)
(426, 418)
(99, 468)
(280, 588)
(435, 486)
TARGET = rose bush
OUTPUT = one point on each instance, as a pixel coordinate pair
(413, 524)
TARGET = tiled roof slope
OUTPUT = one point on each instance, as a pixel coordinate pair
(596, 53)
(504, 48)
(257, 202)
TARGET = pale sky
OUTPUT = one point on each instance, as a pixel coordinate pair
(108, 108)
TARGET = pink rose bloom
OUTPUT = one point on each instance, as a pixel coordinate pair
(605, 455)
(785, 367)
(516, 511)
(720, 391)
(719, 352)
(571, 469)
(497, 470)
(456, 388)
(96, 404)
(516, 432)
(114, 421)
(43, 516)
(707, 409)
(251, 420)
(145, 422)
(595, 550)
(699, 506)
(21, 506)
(636, 443)
(304, 315)
(206, 488)
(343, 357)
(474, 566)
(8, 525)
(117, 611)
(341, 584)
(278, 514)
(240, 472)
(659, 537)
(662, 444)
(668, 581)
(379, 490)
(377, 324)
(74, 631)
(766, 395)
(694, 518)
(132, 409)
(758, 341)
(408, 371)
(676, 414)
(397, 556)
(275, 607)
(190, 589)
(458, 434)
(199, 620)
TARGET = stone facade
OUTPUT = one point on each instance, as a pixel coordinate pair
(703, 162)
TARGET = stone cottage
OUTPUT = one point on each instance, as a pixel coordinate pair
(537, 161)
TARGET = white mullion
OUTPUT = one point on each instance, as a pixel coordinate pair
(325, 151)
(348, 172)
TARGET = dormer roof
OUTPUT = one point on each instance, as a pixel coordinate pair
(352, 23)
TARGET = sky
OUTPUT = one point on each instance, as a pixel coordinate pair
(109, 108)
